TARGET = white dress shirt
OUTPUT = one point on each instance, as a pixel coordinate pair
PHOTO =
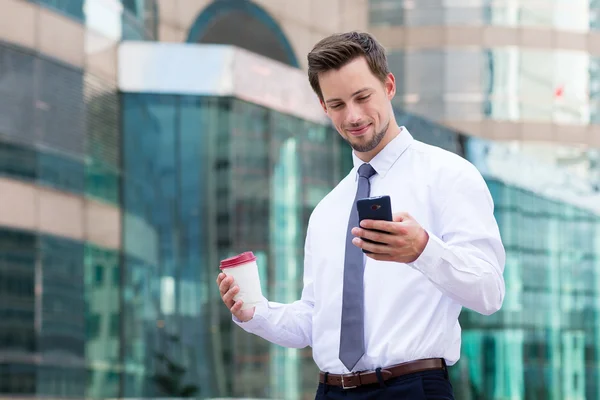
(411, 310)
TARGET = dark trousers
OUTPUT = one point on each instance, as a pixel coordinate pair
(430, 385)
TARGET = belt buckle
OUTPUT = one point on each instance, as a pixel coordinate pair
(347, 387)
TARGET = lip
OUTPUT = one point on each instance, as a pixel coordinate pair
(360, 131)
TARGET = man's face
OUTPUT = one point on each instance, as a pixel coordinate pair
(358, 104)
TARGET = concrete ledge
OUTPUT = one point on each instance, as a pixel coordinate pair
(529, 131)
(434, 37)
(37, 208)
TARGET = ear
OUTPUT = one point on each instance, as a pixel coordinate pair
(390, 86)
(324, 106)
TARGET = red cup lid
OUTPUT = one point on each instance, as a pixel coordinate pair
(238, 260)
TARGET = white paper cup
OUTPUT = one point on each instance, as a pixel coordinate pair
(244, 270)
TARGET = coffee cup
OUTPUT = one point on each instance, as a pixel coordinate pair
(244, 270)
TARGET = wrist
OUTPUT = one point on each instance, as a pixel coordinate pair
(422, 242)
(244, 316)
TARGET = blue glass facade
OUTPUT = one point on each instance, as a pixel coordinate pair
(543, 343)
(72, 8)
(164, 240)
(59, 129)
(59, 133)
(60, 307)
(210, 177)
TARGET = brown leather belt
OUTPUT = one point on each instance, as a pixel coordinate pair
(356, 379)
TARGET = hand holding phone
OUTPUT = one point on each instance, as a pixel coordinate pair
(374, 208)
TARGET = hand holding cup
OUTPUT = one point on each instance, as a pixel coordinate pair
(228, 291)
(239, 285)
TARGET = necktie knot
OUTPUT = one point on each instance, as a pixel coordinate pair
(366, 171)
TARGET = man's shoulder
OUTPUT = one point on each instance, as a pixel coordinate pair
(435, 154)
(442, 161)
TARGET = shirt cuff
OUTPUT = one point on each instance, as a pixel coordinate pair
(431, 257)
(260, 315)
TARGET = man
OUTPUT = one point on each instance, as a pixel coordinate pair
(384, 325)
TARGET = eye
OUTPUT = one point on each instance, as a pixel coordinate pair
(335, 106)
(364, 98)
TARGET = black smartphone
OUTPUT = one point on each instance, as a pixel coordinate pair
(374, 208)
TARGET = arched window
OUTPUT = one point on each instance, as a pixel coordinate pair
(244, 24)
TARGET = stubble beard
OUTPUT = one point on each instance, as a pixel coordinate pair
(371, 144)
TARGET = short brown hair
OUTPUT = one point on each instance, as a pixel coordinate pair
(335, 51)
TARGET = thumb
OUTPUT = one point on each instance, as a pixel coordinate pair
(401, 216)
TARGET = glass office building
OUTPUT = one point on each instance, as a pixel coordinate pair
(60, 177)
(216, 176)
(543, 343)
(504, 70)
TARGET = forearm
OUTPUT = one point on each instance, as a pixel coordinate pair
(288, 325)
(469, 274)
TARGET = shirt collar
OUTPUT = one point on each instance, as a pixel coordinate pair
(384, 160)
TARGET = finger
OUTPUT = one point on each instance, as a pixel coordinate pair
(372, 247)
(393, 228)
(225, 284)
(237, 307)
(228, 297)
(372, 235)
(220, 278)
(401, 216)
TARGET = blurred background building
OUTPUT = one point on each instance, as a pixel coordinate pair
(141, 141)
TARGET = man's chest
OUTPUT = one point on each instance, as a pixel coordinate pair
(328, 237)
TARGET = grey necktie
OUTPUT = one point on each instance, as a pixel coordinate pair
(352, 340)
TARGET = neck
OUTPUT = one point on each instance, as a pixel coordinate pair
(391, 133)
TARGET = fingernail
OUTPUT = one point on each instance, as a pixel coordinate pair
(356, 240)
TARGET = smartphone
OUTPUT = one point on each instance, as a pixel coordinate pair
(374, 208)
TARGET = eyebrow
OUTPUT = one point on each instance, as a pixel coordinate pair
(353, 94)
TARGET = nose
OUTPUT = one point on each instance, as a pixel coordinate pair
(353, 115)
